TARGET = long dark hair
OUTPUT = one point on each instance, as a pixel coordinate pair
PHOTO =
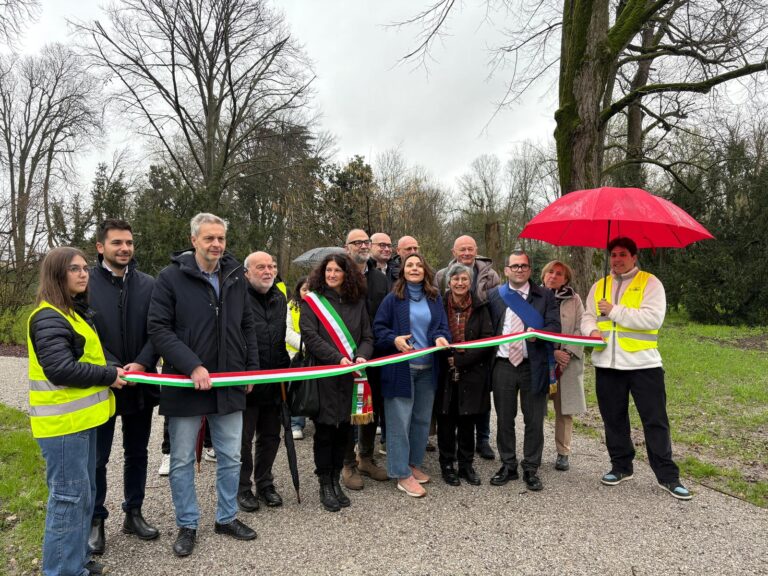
(354, 286)
(429, 278)
(53, 279)
(296, 294)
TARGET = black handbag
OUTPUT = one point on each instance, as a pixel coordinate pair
(303, 395)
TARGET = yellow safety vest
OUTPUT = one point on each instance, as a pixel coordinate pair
(295, 313)
(629, 339)
(59, 410)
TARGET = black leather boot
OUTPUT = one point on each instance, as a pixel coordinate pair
(340, 496)
(327, 494)
(96, 540)
(134, 523)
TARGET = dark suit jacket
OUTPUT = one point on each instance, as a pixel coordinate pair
(544, 302)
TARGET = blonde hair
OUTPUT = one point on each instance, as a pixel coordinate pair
(567, 269)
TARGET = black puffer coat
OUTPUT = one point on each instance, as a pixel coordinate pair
(336, 391)
(189, 327)
(473, 365)
(269, 319)
(120, 308)
(58, 348)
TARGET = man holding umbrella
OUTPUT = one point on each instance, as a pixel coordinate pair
(262, 412)
(627, 309)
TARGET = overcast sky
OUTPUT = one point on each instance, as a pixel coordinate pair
(367, 97)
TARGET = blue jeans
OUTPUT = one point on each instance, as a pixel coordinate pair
(226, 433)
(298, 422)
(408, 425)
(70, 472)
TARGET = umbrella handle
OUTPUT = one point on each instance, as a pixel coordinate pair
(607, 257)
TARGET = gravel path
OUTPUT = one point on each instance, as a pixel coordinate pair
(575, 526)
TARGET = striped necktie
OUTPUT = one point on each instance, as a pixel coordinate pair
(516, 348)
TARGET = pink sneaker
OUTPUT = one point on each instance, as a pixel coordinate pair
(420, 476)
(411, 487)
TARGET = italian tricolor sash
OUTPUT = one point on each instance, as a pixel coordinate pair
(362, 402)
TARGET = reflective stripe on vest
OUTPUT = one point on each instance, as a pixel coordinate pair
(59, 410)
(629, 339)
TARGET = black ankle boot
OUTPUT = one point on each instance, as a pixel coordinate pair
(340, 496)
(96, 540)
(134, 523)
(327, 494)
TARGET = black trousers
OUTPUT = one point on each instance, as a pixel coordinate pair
(330, 444)
(507, 381)
(483, 427)
(263, 421)
(613, 388)
(452, 427)
(136, 429)
(366, 433)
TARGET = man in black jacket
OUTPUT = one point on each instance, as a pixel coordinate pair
(262, 412)
(120, 296)
(358, 247)
(521, 367)
(200, 321)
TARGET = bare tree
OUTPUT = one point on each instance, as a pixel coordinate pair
(613, 57)
(48, 111)
(14, 15)
(212, 72)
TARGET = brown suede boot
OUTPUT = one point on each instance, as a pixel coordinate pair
(351, 478)
(368, 467)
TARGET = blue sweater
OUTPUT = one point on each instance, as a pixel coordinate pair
(392, 320)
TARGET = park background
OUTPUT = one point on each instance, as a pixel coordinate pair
(296, 121)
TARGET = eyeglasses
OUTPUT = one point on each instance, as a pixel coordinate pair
(75, 269)
(358, 243)
(384, 246)
(518, 267)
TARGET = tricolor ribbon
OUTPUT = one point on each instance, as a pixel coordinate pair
(291, 374)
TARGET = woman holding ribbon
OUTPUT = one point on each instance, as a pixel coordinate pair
(69, 397)
(335, 328)
(569, 397)
(464, 390)
(410, 318)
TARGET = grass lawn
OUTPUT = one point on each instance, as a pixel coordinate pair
(23, 495)
(717, 400)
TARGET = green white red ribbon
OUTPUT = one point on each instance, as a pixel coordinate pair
(292, 374)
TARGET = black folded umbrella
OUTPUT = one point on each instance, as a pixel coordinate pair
(290, 447)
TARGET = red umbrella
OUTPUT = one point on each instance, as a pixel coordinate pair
(593, 217)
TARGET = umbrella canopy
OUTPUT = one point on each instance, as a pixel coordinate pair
(314, 256)
(593, 217)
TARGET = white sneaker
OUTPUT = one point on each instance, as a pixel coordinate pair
(209, 454)
(298, 434)
(378, 430)
(165, 465)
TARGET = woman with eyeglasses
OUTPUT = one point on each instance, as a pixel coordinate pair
(69, 397)
(464, 392)
(569, 397)
(411, 317)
